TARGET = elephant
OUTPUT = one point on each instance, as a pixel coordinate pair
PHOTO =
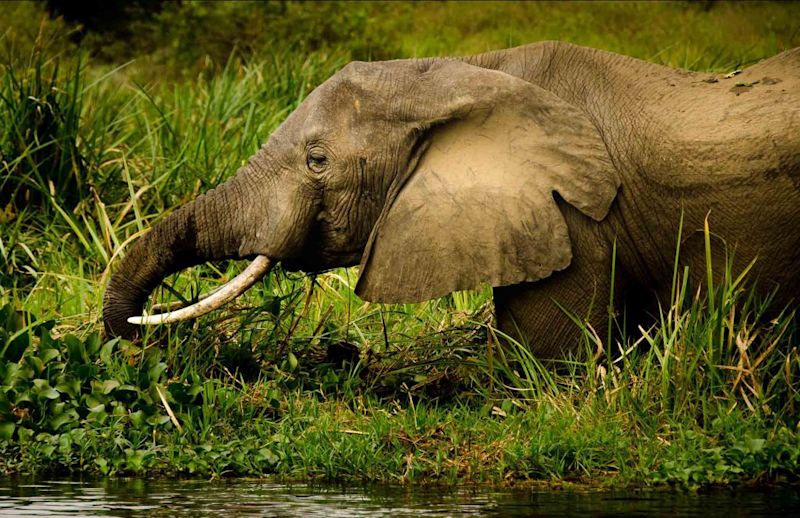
(533, 169)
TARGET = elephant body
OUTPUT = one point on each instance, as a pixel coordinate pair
(687, 145)
(529, 169)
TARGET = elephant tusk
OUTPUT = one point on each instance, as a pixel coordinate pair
(172, 306)
(232, 289)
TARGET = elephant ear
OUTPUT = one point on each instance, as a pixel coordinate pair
(479, 206)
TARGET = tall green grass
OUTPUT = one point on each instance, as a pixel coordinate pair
(300, 377)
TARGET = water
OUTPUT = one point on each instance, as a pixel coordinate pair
(258, 498)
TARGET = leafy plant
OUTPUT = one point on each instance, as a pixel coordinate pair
(40, 158)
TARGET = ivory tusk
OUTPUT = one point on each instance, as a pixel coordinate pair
(172, 306)
(232, 289)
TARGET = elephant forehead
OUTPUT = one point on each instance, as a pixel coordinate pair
(329, 109)
(361, 74)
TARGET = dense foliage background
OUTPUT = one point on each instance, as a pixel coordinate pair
(114, 113)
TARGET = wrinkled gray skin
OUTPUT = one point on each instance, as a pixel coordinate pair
(518, 168)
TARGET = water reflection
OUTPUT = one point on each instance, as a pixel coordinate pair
(139, 497)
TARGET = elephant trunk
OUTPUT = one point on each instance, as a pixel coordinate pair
(209, 228)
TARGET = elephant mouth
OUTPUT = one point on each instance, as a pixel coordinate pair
(315, 263)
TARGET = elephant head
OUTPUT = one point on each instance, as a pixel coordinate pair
(434, 175)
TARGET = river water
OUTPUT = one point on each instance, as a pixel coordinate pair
(138, 497)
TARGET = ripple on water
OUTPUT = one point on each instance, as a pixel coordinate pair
(138, 497)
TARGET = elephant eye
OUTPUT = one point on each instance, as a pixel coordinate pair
(316, 161)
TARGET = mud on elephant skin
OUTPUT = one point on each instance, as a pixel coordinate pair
(519, 168)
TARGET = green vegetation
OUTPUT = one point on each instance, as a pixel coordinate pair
(303, 382)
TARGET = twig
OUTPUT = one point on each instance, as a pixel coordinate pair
(169, 410)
